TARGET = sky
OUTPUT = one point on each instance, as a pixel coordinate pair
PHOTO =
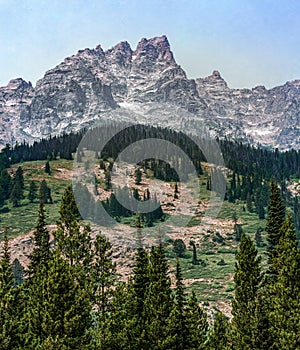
(250, 42)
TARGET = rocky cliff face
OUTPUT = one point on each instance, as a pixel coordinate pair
(90, 84)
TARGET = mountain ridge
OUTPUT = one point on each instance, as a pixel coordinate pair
(93, 83)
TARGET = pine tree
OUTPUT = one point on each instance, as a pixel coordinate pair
(45, 192)
(179, 247)
(5, 183)
(103, 271)
(197, 325)
(177, 330)
(58, 310)
(47, 168)
(140, 279)
(158, 300)
(32, 194)
(284, 316)
(19, 177)
(73, 241)
(258, 237)
(275, 219)
(247, 278)
(220, 337)
(41, 240)
(8, 305)
(195, 259)
(137, 176)
(16, 194)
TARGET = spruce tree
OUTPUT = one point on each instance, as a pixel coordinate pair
(220, 337)
(32, 194)
(47, 168)
(197, 325)
(247, 278)
(158, 300)
(16, 194)
(41, 241)
(275, 219)
(177, 331)
(140, 279)
(8, 302)
(103, 273)
(73, 240)
(58, 310)
(45, 192)
(284, 316)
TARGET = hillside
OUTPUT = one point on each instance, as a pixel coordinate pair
(215, 242)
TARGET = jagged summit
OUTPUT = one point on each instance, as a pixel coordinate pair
(90, 84)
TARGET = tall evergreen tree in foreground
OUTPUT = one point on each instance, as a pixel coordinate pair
(284, 316)
(275, 219)
(158, 299)
(8, 302)
(73, 240)
(247, 280)
(58, 312)
(41, 250)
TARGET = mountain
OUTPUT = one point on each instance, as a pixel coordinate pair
(146, 85)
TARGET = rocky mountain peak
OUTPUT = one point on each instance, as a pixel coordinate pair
(120, 54)
(155, 49)
(18, 83)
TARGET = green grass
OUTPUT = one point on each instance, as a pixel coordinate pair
(22, 219)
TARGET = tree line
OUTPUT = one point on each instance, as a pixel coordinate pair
(243, 159)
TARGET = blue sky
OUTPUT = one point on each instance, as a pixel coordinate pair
(250, 42)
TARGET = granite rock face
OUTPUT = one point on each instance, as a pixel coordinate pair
(93, 83)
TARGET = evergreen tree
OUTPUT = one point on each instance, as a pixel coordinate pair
(197, 325)
(137, 176)
(140, 280)
(19, 177)
(238, 231)
(177, 330)
(195, 259)
(5, 183)
(220, 337)
(41, 250)
(103, 271)
(158, 300)
(16, 194)
(179, 247)
(247, 278)
(284, 316)
(275, 219)
(47, 168)
(8, 306)
(58, 310)
(45, 192)
(32, 195)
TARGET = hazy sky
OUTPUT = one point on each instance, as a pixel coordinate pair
(251, 42)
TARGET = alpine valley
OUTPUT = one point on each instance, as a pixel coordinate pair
(130, 84)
